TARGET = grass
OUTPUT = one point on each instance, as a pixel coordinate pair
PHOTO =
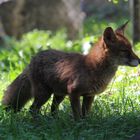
(115, 113)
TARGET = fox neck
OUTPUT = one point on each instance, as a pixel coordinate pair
(100, 59)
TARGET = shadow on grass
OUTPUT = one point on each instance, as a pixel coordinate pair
(95, 127)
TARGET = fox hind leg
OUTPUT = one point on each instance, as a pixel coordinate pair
(55, 103)
(41, 96)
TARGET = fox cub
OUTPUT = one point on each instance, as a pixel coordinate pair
(73, 74)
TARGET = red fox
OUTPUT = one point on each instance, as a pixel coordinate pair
(73, 74)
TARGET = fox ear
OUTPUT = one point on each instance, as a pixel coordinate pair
(122, 28)
(109, 36)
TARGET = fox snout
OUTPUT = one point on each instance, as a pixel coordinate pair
(129, 58)
(139, 61)
(134, 62)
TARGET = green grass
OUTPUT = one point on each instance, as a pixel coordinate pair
(115, 113)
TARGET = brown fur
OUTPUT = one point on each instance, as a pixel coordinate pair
(59, 73)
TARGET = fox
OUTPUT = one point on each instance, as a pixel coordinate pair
(54, 72)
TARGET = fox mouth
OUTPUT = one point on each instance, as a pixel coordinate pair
(133, 63)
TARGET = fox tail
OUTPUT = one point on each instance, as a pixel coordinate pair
(17, 93)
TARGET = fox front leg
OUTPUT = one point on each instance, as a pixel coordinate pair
(74, 98)
(76, 107)
(86, 105)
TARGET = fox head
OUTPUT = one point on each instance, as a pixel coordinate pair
(119, 47)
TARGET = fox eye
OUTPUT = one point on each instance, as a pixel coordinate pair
(124, 50)
(126, 53)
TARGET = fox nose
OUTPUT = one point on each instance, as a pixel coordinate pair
(139, 61)
(134, 62)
